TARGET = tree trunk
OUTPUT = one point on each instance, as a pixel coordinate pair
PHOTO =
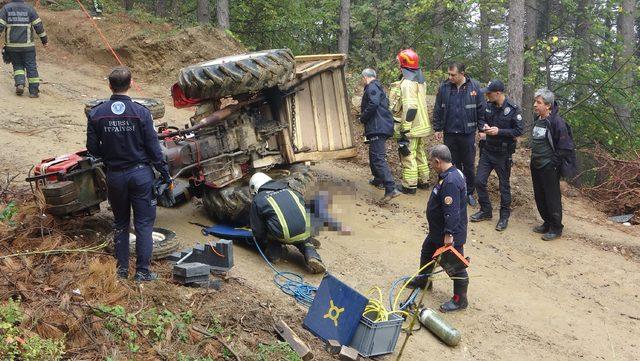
(222, 14)
(203, 13)
(485, 32)
(345, 16)
(583, 49)
(128, 5)
(438, 31)
(161, 8)
(626, 34)
(515, 53)
(531, 36)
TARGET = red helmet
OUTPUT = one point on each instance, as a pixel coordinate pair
(408, 59)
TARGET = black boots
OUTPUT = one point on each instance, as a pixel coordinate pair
(312, 259)
(456, 303)
(459, 300)
(502, 224)
(480, 216)
(407, 190)
(145, 276)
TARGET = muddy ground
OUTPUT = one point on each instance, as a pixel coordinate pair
(575, 298)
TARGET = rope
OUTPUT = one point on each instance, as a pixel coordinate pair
(291, 283)
(106, 43)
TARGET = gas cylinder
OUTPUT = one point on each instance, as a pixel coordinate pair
(439, 327)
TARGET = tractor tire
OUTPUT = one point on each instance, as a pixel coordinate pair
(238, 74)
(155, 106)
(164, 243)
(232, 203)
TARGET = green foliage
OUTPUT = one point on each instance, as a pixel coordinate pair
(278, 351)
(155, 324)
(14, 345)
(8, 212)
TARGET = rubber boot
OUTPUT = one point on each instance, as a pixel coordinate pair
(312, 258)
(459, 300)
(19, 89)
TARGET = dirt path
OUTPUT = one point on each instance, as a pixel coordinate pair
(576, 298)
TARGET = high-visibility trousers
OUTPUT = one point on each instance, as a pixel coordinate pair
(415, 166)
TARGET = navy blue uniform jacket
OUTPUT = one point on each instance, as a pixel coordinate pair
(374, 111)
(447, 208)
(121, 133)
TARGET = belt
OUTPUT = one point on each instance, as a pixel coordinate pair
(124, 169)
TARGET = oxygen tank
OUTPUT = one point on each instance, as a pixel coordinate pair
(434, 323)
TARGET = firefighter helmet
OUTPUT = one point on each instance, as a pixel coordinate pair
(258, 180)
(408, 59)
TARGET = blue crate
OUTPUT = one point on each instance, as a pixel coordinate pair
(376, 338)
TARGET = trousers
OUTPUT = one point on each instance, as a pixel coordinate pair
(24, 63)
(463, 154)
(378, 163)
(132, 189)
(415, 166)
(546, 191)
(501, 163)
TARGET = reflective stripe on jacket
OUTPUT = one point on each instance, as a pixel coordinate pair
(277, 212)
(17, 19)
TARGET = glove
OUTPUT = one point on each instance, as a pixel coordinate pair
(403, 145)
(5, 55)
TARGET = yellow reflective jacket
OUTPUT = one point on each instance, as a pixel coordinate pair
(414, 96)
(395, 105)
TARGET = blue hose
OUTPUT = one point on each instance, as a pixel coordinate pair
(291, 283)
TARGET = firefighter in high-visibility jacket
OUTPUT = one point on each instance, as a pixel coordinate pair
(414, 126)
(278, 217)
(18, 18)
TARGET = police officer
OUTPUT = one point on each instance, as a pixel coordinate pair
(447, 218)
(378, 127)
(278, 217)
(18, 17)
(414, 123)
(503, 126)
(121, 133)
(458, 112)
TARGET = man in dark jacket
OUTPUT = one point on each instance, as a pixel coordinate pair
(378, 127)
(503, 127)
(18, 17)
(121, 133)
(447, 218)
(458, 112)
(278, 217)
(551, 143)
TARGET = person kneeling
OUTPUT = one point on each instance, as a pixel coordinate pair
(278, 217)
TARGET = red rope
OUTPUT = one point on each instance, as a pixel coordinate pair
(106, 42)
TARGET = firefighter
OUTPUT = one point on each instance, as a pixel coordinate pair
(18, 18)
(414, 123)
(447, 218)
(458, 112)
(503, 126)
(121, 133)
(278, 217)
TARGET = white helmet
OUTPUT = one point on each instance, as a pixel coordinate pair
(258, 180)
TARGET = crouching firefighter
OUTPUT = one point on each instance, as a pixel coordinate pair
(18, 18)
(278, 217)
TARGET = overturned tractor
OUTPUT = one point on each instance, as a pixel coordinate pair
(264, 111)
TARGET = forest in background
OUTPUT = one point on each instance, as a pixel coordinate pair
(586, 51)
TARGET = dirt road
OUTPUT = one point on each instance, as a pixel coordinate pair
(575, 298)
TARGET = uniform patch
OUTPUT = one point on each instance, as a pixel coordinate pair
(519, 117)
(373, 92)
(118, 108)
(448, 200)
(474, 93)
(507, 110)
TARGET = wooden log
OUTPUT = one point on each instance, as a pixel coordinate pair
(296, 343)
